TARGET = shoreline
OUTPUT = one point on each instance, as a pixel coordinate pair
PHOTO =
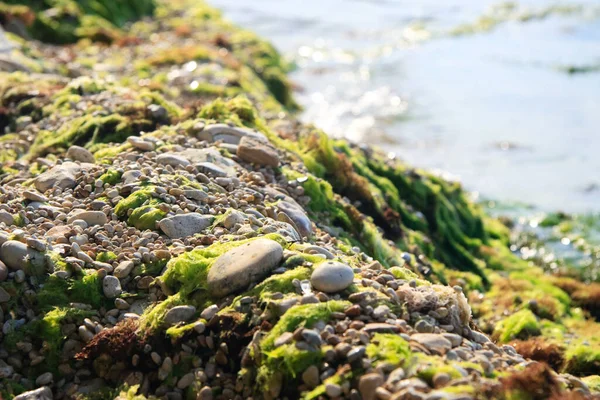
(169, 229)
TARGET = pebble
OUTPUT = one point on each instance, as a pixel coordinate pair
(244, 264)
(423, 326)
(209, 312)
(284, 338)
(332, 276)
(111, 286)
(436, 343)
(123, 269)
(78, 153)
(179, 314)
(140, 144)
(90, 217)
(333, 390)
(368, 384)
(4, 295)
(311, 376)
(3, 272)
(34, 196)
(174, 160)
(259, 152)
(184, 225)
(44, 379)
(297, 214)
(6, 218)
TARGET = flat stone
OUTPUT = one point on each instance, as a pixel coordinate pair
(90, 217)
(311, 376)
(111, 286)
(184, 225)
(172, 159)
(455, 339)
(232, 218)
(211, 155)
(43, 393)
(332, 276)
(381, 327)
(367, 385)
(226, 133)
(284, 338)
(44, 379)
(179, 314)
(61, 176)
(435, 343)
(131, 176)
(57, 232)
(78, 153)
(33, 195)
(17, 255)
(245, 264)
(209, 312)
(257, 152)
(3, 271)
(140, 144)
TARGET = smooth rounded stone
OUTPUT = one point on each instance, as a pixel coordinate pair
(311, 376)
(6, 217)
(184, 225)
(17, 255)
(57, 232)
(111, 286)
(297, 214)
(174, 160)
(185, 380)
(368, 384)
(479, 337)
(239, 267)
(257, 152)
(179, 314)
(232, 218)
(284, 338)
(43, 393)
(3, 271)
(140, 144)
(433, 342)
(332, 276)
(78, 153)
(423, 326)
(90, 217)
(333, 390)
(319, 250)
(34, 196)
(44, 379)
(209, 312)
(211, 169)
(61, 176)
(123, 269)
(195, 194)
(455, 339)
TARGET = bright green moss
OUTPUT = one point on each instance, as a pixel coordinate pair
(305, 315)
(134, 200)
(281, 283)
(111, 177)
(106, 256)
(521, 324)
(289, 359)
(389, 348)
(460, 389)
(88, 290)
(146, 217)
(177, 332)
(582, 359)
(593, 382)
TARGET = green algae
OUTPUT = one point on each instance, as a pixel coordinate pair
(389, 348)
(521, 324)
(106, 256)
(110, 177)
(146, 217)
(134, 200)
(582, 359)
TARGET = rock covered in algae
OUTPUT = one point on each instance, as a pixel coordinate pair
(108, 304)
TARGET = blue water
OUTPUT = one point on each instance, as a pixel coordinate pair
(492, 108)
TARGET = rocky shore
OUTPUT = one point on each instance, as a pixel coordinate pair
(169, 230)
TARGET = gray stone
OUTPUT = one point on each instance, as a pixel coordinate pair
(43, 393)
(455, 339)
(78, 153)
(226, 133)
(232, 218)
(332, 276)
(367, 385)
(423, 326)
(172, 159)
(6, 217)
(34, 196)
(209, 312)
(211, 155)
(3, 271)
(297, 214)
(111, 286)
(90, 217)
(44, 379)
(433, 342)
(311, 376)
(479, 337)
(211, 169)
(123, 269)
(140, 143)
(61, 176)
(184, 225)
(243, 265)
(257, 152)
(17, 255)
(179, 314)
(131, 176)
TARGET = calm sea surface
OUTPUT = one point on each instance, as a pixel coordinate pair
(496, 108)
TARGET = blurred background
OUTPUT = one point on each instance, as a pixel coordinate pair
(504, 97)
